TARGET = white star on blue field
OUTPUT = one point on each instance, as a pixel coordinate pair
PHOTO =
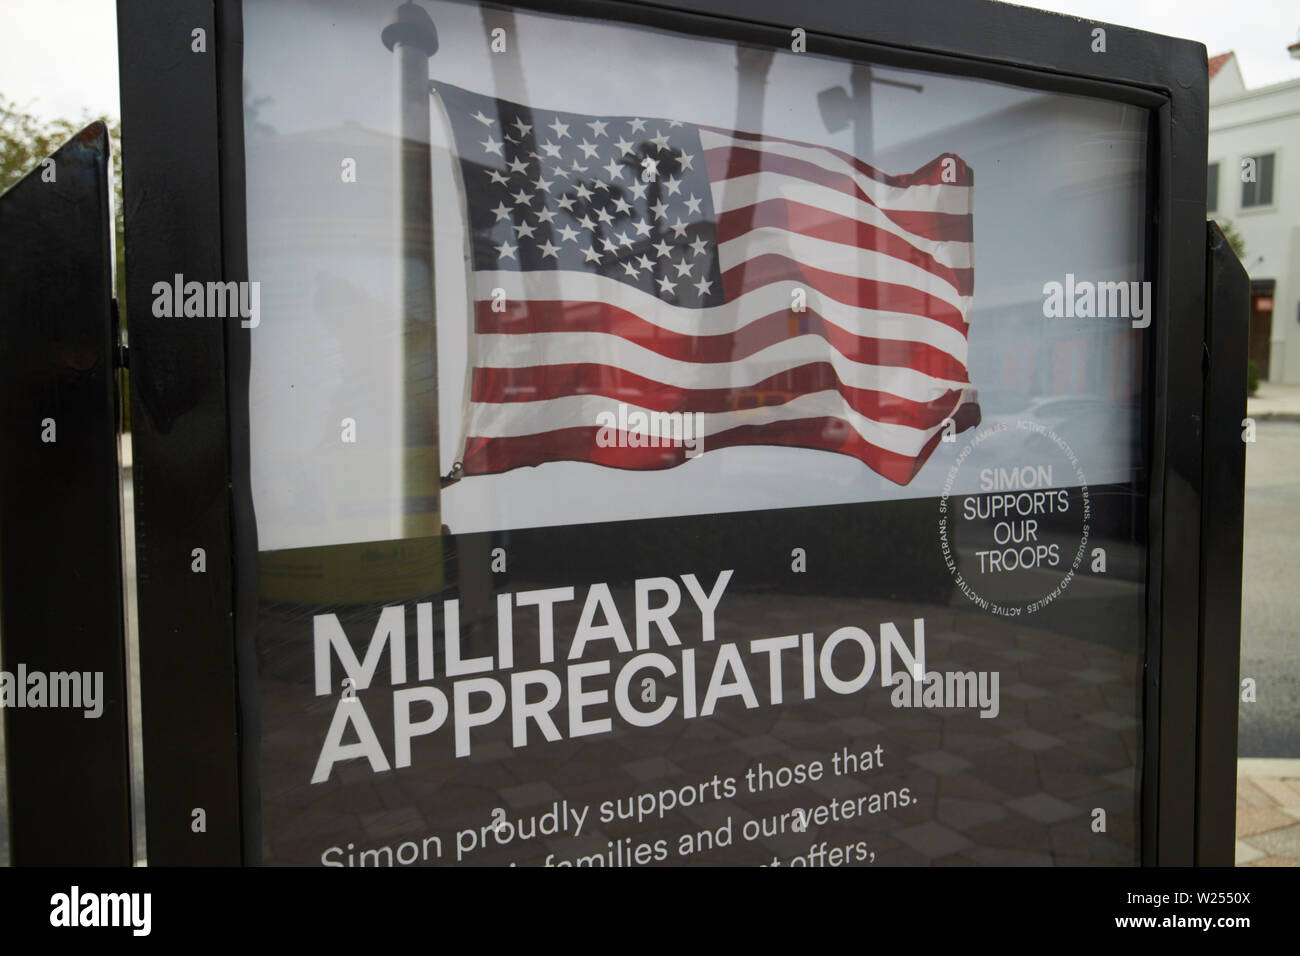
(551, 190)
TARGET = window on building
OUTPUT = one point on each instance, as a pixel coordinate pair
(1259, 192)
(1212, 189)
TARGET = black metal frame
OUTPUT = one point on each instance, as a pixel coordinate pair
(1227, 334)
(184, 196)
(60, 510)
(181, 441)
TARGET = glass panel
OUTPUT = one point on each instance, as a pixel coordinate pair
(760, 374)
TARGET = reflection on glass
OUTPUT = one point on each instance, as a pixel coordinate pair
(699, 306)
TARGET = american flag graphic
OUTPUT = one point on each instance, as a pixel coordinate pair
(660, 265)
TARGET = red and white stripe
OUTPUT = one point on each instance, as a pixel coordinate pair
(885, 263)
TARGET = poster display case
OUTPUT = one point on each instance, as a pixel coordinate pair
(651, 437)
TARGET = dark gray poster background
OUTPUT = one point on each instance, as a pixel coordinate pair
(1018, 789)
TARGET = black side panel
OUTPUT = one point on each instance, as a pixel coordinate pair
(1226, 335)
(61, 635)
(234, 235)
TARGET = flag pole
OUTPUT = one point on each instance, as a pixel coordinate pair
(412, 38)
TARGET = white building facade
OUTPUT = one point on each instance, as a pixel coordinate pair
(1254, 183)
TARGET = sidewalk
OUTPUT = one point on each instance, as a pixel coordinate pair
(1268, 812)
(1274, 401)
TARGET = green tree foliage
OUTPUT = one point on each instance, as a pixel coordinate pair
(26, 139)
(1235, 242)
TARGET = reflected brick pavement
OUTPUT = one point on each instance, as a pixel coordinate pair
(1268, 813)
(1019, 789)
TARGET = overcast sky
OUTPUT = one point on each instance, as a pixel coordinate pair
(1258, 30)
(60, 56)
